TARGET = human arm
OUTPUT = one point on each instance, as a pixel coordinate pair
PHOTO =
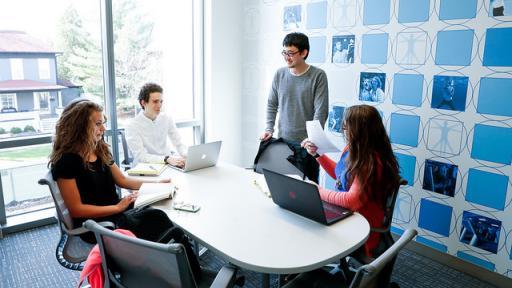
(321, 98)
(350, 199)
(272, 108)
(176, 140)
(71, 196)
(131, 183)
(327, 163)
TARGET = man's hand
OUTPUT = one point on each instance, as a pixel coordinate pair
(265, 136)
(176, 161)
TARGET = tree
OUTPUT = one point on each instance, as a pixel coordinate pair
(135, 61)
(81, 61)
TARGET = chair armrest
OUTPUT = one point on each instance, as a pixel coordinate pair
(225, 277)
(82, 230)
(379, 230)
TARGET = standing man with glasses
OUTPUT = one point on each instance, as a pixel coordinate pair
(299, 93)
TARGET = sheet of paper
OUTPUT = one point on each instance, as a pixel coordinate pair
(317, 135)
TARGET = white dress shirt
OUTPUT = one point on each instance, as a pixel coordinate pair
(148, 139)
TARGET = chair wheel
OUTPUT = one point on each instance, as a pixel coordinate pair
(240, 281)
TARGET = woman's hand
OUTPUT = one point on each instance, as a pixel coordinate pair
(309, 146)
(126, 201)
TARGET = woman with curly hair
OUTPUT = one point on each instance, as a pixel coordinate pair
(367, 172)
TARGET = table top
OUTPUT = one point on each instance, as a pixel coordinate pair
(239, 223)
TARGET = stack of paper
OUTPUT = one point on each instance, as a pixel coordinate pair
(147, 169)
(150, 193)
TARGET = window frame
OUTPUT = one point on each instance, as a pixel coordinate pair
(14, 101)
(43, 66)
(17, 72)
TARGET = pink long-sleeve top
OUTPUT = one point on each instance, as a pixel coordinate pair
(351, 199)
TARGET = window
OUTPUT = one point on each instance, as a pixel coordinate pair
(150, 45)
(8, 101)
(44, 68)
(42, 101)
(17, 69)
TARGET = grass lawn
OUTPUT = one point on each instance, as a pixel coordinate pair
(28, 152)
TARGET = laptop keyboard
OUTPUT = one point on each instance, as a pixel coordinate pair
(332, 211)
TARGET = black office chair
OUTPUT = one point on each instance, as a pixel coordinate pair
(367, 276)
(71, 250)
(127, 154)
(358, 258)
(133, 262)
(385, 231)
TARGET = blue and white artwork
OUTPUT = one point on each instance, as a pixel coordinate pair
(292, 19)
(494, 96)
(335, 119)
(440, 177)
(480, 231)
(344, 13)
(404, 129)
(497, 47)
(372, 86)
(343, 47)
(454, 47)
(449, 92)
(445, 136)
(411, 48)
(316, 15)
(499, 8)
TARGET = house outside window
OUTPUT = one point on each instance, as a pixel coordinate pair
(44, 68)
(17, 69)
(8, 101)
(42, 101)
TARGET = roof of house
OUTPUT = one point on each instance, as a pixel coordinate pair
(18, 41)
(27, 85)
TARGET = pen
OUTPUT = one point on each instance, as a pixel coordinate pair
(151, 167)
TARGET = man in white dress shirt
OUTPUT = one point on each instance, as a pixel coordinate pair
(148, 134)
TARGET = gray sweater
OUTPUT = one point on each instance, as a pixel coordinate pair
(297, 99)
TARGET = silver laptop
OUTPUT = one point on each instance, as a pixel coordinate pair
(201, 156)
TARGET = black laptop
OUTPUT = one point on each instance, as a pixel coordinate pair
(302, 198)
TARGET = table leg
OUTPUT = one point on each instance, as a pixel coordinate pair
(265, 280)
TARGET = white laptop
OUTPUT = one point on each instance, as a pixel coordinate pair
(201, 156)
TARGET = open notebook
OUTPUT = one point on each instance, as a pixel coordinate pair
(147, 169)
(150, 193)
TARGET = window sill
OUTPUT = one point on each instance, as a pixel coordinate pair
(27, 221)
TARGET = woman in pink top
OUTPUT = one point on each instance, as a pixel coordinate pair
(367, 171)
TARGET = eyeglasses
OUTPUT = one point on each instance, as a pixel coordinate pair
(289, 53)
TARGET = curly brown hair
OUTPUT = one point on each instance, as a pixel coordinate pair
(368, 145)
(74, 134)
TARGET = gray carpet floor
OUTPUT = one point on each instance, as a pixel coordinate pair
(27, 259)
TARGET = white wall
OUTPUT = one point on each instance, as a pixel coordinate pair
(223, 69)
(417, 207)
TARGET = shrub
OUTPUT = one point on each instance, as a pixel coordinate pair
(29, 128)
(16, 130)
(2, 130)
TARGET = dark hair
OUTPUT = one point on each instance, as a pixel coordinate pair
(298, 40)
(368, 145)
(147, 89)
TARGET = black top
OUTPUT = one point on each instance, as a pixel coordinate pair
(95, 184)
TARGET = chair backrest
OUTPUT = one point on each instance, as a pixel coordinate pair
(127, 154)
(133, 262)
(63, 215)
(390, 205)
(274, 158)
(369, 275)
